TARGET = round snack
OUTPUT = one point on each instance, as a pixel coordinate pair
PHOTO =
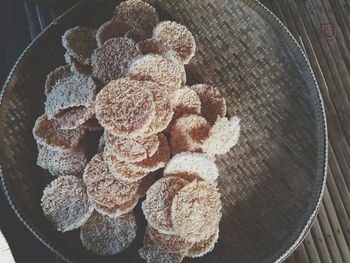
(132, 149)
(76, 67)
(117, 210)
(111, 60)
(195, 211)
(169, 243)
(108, 236)
(201, 248)
(138, 35)
(74, 117)
(193, 163)
(175, 58)
(55, 76)
(125, 107)
(153, 254)
(163, 109)
(176, 37)
(80, 43)
(77, 90)
(103, 187)
(188, 134)
(213, 104)
(121, 170)
(186, 100)
(157, 160)
(151, 46)
(65, 203)
(222, 136)
(48, 132)
(156, 68)
(111, 29)
(145, 183)
(58, 162)
(137, 13)
(157, 206)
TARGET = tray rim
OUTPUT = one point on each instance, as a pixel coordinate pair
(283, 253)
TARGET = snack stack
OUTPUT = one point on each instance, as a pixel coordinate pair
(126, 81)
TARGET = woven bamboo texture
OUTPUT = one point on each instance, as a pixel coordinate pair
(263, 171)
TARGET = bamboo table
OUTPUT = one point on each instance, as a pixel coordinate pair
(323, 29)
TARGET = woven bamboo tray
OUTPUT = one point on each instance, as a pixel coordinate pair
(271, 182)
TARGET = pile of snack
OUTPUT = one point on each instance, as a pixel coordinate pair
(115, 116)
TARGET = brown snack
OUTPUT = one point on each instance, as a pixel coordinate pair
(138, 35)
(137, 13)
(145, 183)
(188, 134)
(197, 164)
(223, 135)
(111, 29)
(169, 243)
(163, 109)
(157, 160)
(125, 107)
(159, 199)
(57, 162)
(103, 187)
(213, 104)
(132, 149)
(117, 210)
(121, 170)
(153, 67)
(74, 91)
(153, 254)
(74, 117)
(175, 58)
(65, 203)
(80, 43)
(176, 37)
(55, 76)
(76, 67)
(48, 132)
(108, 236)
(186, 100)
(151, 46)
(196, 211)
(201, 248)
(92, 124)
(111, 60)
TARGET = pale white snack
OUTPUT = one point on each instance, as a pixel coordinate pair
(223, 135)
(80, 43)
(193, 163)
(58, 74)
(137, 13)
(186, 100)
(213, 103)
(58, 162)
(65, 203)
(201, 248)
(196, 211)
(176, 37)
(159, 198)
(108, 236)
(48, 132)
(153, 67)
(74, 91)
(125, 107)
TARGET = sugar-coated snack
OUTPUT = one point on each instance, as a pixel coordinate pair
(108, 236)
(111, 61)
(76, 67)
(74, 117)
(55, 76)
(65, 203)
(80, 43)
(176, 37)
(117, 210)
(111, 29)
(201, 248)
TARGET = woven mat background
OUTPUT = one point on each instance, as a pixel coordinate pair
(323, 28)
